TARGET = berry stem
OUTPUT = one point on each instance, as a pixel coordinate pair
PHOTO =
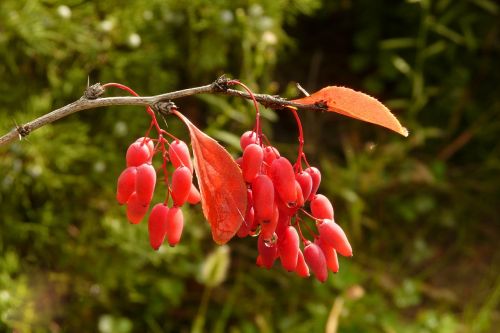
(258, 129)
(300, 154)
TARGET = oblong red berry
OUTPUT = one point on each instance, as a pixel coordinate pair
(302, 270)
(268, 251)
(332, 261)
(283, 177)
(331, 233)
(145, 183)
(149, 143)
(300, 195)
(321, 207)
(182, 179)
(316, 180)
(179, 155)
(137, 154)
(288, 248)
(247, 138)
(305, 181)
(194, 196)
(175, 224)
(316, 260)
(126, 184)
(263, 198)
(252, 162)
(283, 222)
(269, 227)
(136, 210)
(157, 225)
(270, 154)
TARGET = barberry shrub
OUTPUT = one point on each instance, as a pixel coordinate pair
(261, 193)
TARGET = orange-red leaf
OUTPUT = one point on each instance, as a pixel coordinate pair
(222, 188)
(357, 105)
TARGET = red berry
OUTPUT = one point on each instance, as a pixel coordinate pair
(175, 224)
(332, 261)
(305, 181)
(300, 196)
(302, 270)
(288, 248)
(263, 198)
(270, 154)
(239, 161)
(321, 207)
(137, 154)
(194, 196)
(252, 162)
(157, 225)
(247, 138)
(149, 143)
(178, 152)
(145, 184)
(332, 234)
(283, 177)
(182, 179)
(283, 222)
(126, 185)
(136, 209)
(269, 227)
(268, 251)
(316, 180)
(316, 260)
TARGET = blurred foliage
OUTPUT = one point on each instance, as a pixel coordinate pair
(422, 212)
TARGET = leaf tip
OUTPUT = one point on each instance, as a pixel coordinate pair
(404, 132)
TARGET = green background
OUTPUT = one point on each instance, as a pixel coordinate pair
(422, 213)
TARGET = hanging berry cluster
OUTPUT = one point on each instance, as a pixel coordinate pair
(261, 194)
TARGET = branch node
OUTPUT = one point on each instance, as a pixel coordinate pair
(164, 107)
(23, 130)
(93, 92)
(221, 84)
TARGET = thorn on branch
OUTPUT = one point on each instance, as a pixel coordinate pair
(94, 91)
(164, 107)
(23, 130)
(221, 84)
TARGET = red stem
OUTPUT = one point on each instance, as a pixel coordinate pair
(300, 154)
(258, 129)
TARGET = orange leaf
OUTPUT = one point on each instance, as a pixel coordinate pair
(355, 104)
(222, 188)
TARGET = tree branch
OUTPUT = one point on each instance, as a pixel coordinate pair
(91, 100)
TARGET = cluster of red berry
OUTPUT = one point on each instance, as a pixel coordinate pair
(137, 182)
(279, 192)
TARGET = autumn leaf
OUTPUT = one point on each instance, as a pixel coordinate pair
(355, 104)
(222, 188)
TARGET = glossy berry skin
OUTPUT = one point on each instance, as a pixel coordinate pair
(136, 210)
(283, 177)
(288, 248)
(269, 227)
(268, 252)
(316, 180)
(263, 198)
(270, 154)
(182, 179)
(305, 181)
(175, 224)
(321, 207)
(126, 184)
(332, 234)
(157, 225)
(252, 162)
(149, 143)
(145, 183)
(302, 270)
(300, 196)
(137, 154)
(194, 196)
(316, 260)
(332, 261)
(247, 138)
(178, 153)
